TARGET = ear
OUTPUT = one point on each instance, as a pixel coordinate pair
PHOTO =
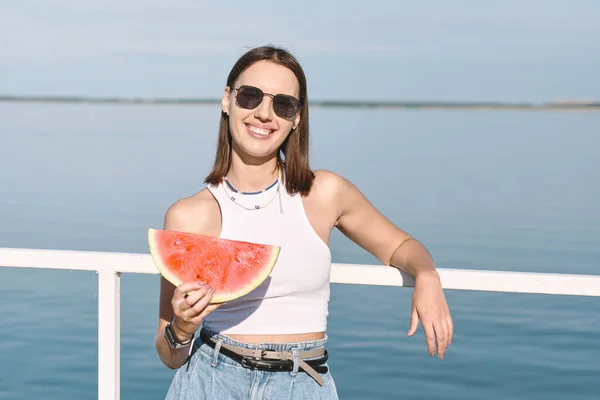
(297, 119)
(225, 100)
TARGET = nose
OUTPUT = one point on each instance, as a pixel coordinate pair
(265, 109)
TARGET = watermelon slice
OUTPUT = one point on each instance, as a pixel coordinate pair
(232, 268)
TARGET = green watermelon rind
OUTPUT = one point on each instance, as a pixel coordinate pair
(219, 297)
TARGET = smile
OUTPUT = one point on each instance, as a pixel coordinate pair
(259, 131)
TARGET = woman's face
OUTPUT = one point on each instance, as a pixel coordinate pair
(259, 132)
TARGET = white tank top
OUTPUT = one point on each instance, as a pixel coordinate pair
(295, 297)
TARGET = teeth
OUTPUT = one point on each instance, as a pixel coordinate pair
(263, 132)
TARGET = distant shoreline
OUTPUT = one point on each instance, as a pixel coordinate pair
(563, 106)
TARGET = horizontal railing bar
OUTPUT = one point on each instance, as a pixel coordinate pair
(77, 260)
(476, 280)
(458, 279)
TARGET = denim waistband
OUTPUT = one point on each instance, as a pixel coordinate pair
(300, 346)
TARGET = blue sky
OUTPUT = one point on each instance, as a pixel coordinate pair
(512, 50)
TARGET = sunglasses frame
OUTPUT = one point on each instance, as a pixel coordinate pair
(297, 102)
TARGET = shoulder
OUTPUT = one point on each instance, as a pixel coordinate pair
(333, 191)
(331, 184)
(339, 191)
(198, 213)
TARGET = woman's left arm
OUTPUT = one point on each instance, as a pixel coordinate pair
(361, 222)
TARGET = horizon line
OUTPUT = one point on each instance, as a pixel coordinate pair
(558, 105)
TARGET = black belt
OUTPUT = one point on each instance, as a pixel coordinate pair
(267, 365)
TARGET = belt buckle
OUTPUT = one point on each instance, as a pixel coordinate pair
(255, 362)
(263, 354)
(245, 363)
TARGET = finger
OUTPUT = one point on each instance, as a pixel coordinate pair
(442, 339)
(414, 322)
(210, 308)
(185, 288)
(183, 310)
(429, 338)
(450, 329)
(184, 300)
(201, 304)
(195, 296)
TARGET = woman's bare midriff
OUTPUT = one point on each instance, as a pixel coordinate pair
(289, 338)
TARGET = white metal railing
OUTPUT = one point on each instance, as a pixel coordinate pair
(109, 266)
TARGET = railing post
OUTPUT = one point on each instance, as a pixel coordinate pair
(109, 335)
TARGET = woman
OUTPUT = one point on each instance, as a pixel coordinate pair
(271, 342)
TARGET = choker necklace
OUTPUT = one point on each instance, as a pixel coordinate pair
(232, 196)
(259, 192)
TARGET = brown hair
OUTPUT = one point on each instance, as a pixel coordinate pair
(292, 156)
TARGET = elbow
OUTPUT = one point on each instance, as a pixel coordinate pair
(163, 354)
(171, 366)
(166, 356)
(168, 361)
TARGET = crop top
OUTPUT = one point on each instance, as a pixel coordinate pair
(295, 296)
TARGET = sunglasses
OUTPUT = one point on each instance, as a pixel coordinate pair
(249, 97)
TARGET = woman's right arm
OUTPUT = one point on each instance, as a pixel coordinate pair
(197, 214)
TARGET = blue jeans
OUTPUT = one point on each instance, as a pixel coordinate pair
(208, 375)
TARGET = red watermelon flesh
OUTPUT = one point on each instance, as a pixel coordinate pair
(232, 268)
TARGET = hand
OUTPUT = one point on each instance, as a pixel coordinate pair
(429, 305)
(190, 306)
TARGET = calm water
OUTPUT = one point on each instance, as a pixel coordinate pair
(507, 191)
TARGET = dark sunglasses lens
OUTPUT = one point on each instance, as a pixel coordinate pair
(285, 106)
(249, 97)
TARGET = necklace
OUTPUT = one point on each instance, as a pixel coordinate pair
(232, 196)
(259, 192)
